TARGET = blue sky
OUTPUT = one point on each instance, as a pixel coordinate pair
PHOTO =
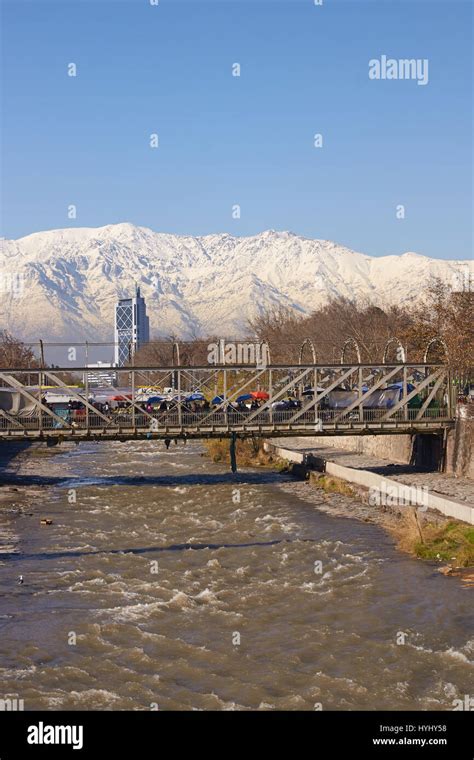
(245, 140)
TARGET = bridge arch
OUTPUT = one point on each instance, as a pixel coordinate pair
(431, 343)
(401, 348)
(350, 342)
(307, 342)
(175, 353)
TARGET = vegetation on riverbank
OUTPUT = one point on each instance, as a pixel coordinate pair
(421, 534)
(446, 541)
(249, 453)
(329, 484)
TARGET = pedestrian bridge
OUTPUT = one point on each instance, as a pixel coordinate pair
(329, 399)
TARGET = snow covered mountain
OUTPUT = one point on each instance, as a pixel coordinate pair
(62, 284)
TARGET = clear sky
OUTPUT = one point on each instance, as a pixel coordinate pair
(247, 140)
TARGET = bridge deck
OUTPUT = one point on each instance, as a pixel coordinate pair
(344, 399)
(124, 427)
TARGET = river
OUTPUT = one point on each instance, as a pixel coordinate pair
(277, 606)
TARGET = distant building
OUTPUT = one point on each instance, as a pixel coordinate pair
(132, 327)
(101, 374)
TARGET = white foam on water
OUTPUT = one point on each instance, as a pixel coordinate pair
(180, 600)
(402, 686)
(18, 672)
(109, 697)
(457, 655)
(132, 612)
(206, 596)
(449, 689)
(55, 701)
(68, 572)
(226, 706)
(266, 518)
(451, 653)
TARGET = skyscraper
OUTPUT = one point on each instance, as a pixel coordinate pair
(132, 327)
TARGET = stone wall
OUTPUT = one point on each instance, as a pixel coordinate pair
(396, 448)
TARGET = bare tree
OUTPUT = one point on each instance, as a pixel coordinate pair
(15, 354)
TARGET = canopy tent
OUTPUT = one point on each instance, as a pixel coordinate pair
(260, 395)
(195, 397)
(383, 398)
(13, 402)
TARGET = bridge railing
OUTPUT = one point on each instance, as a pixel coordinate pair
(338, 395)
(162, 421)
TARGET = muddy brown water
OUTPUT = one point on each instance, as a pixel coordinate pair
(185, 587)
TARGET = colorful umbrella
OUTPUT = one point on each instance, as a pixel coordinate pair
(263, 395)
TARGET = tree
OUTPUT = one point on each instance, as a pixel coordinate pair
(329, 327)
(14, 353)
(446, 314)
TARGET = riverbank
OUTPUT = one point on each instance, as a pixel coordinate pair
(402, 494)
(423, 534)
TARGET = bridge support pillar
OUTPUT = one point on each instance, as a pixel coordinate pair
(233, 458)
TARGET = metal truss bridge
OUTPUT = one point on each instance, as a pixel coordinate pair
(331, 399)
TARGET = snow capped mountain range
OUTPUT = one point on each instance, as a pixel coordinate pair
(62, 284)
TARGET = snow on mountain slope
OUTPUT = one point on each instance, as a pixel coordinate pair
(64, 283)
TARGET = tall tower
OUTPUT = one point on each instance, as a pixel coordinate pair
(132, 327)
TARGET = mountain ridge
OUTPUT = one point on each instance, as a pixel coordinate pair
(68, 280)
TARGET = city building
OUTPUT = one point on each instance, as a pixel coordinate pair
(132, 327)
(101, 374)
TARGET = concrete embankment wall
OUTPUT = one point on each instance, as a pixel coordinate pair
(423, 450)
(396, 448)
(454, 455)
(373, 480)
